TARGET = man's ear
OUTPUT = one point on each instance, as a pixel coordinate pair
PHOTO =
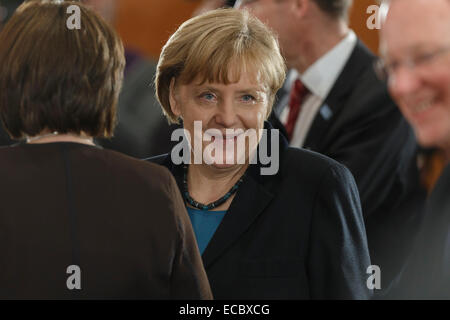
(174, 99)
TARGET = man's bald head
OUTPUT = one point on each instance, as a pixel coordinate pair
(415, 45)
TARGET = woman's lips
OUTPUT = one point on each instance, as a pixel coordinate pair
(225, 137)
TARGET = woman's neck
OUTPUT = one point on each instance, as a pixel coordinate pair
(207, 183)
(60, 137)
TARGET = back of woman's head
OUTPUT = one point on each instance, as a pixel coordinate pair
(55, 76)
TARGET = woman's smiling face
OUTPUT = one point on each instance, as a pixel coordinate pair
(240, 106)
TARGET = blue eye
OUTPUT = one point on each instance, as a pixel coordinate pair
(248, 98)
(208, 96)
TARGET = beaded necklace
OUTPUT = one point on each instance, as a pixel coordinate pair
(211, 205)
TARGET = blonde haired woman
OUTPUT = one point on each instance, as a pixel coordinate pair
(295, 234)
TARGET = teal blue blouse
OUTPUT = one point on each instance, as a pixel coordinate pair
(205, 224)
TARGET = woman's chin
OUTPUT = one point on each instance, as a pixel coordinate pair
(226, 162)
(223, 165)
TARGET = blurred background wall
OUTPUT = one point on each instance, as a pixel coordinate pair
(145, 25)
(358, 22)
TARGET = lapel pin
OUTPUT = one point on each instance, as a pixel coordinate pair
(326, 112)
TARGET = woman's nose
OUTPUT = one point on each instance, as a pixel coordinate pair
(226, 114)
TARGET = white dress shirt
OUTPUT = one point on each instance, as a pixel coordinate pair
(319, 78)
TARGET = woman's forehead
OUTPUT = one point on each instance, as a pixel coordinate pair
(236, 77)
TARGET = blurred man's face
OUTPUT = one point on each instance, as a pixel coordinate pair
(275, 14)
(415, 44)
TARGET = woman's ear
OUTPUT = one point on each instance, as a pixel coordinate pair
(174, 99)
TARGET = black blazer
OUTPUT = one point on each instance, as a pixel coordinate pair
(121, 220)
(428, 274)
(298, 234)
(361, 127)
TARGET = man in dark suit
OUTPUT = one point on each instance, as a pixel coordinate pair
(416, 66)
(333, 103)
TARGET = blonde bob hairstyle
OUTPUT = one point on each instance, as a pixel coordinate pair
(217, 47)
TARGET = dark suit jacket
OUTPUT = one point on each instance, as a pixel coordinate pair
(361, 127)
(121, 220)
(298, 234)
(428, 275)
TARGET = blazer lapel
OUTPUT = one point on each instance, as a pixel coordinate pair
(358, 62)
(253, 196)
(250, 200)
